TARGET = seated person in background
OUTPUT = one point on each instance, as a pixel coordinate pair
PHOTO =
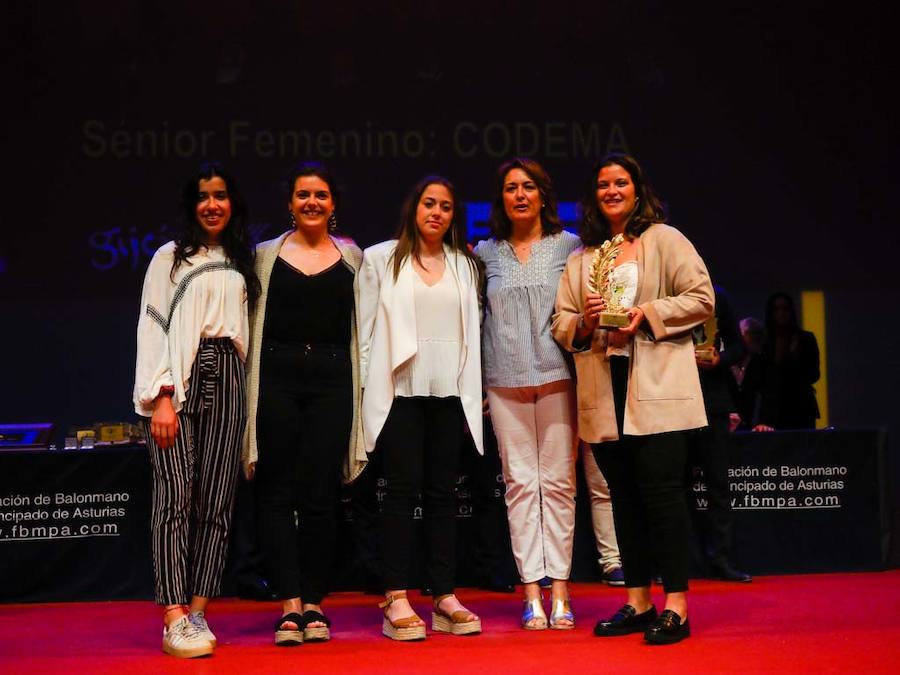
(747, 374)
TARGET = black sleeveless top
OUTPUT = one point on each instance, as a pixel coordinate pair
(309, 309)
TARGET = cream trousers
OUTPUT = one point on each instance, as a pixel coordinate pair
(535, 429)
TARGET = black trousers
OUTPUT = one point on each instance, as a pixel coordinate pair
(646, 484)
(420, 446)
(709, 450)
(304, 417)
(194, 480)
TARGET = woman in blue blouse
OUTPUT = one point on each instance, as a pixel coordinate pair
(529, 385)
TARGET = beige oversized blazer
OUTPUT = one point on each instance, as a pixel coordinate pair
(266, 254)
(387, 336)
(675, 293)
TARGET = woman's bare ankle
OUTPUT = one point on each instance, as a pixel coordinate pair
(173, 613)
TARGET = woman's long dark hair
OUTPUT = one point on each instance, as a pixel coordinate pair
(239, 250)
(595, 229)
(499, 222)
(408, 232)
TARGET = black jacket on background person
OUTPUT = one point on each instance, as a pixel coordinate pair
(787, 397)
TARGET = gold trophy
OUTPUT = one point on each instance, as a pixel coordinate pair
(704, 337)
(614, 316)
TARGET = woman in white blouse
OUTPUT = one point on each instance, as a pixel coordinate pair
(190, 385)
(420, 359)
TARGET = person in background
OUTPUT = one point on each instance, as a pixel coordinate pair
(190, 387)
(790, 369)
(610, 561)
(303, 394)
(420, 357)
(638, 386)
(529, 383)
(710, 446)
(491, 553)
(747, 373)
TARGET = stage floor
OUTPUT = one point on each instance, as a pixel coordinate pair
(788, 624)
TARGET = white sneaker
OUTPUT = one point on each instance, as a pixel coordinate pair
(181, 639)
(198, 619)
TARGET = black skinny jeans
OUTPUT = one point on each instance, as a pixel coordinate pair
(420, 446)
(646, 485)
(304, 418)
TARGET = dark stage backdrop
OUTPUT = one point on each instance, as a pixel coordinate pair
(765, 131)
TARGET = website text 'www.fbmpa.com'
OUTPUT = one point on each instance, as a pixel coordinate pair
(756, 488)
(63, 515)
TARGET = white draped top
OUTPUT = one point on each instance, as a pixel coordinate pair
(434, 370)
(207, 298)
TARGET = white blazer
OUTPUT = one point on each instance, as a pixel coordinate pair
(387, 336)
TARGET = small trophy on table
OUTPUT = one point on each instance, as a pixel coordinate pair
(614, 316)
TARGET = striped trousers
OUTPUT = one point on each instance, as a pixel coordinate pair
(194, 481)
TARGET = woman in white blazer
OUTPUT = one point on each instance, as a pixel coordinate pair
(420, 364)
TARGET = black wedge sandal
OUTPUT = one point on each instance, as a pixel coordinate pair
(289, 637)
(316, 633)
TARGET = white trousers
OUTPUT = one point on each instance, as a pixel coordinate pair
(535, 429)
(601, 511)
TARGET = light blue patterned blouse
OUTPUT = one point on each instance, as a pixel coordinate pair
(517, 347)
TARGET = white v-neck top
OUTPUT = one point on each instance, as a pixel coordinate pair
(434, 370)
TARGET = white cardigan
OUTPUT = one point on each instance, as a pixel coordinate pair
(387, 336)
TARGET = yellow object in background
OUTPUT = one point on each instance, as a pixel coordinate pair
(812, 318)
(112, 432)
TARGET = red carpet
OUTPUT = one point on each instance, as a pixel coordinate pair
(798, 624)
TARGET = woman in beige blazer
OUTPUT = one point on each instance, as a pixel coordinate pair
(637, 386)
(303, 400)
(421, 371)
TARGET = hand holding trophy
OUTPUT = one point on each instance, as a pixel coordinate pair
(614, 315)
(705, 337)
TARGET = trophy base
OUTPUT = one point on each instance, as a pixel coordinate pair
(704, 354)
(614, 320)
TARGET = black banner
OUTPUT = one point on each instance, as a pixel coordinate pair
(75, 525)
(808, 501)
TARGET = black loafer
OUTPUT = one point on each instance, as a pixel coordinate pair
(667, 629)
(625, 621)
